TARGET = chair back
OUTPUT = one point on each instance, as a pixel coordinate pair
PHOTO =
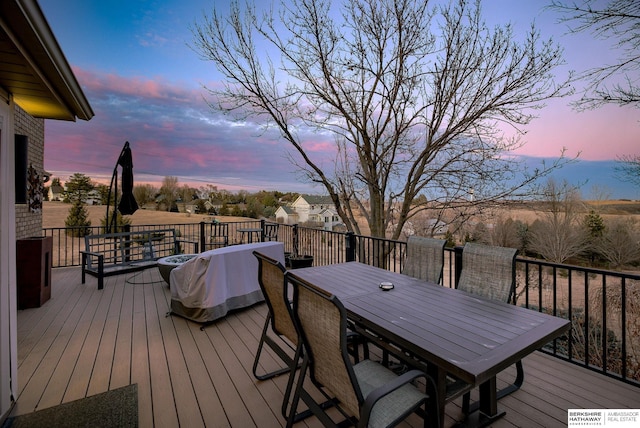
(271, 277)
(322, 323)
(271, 232)
(488, 271)
(219, 234)
(425, 258)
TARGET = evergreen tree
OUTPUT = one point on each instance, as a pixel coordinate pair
(594, 224)
(201, 207)
(103, 191)
(121, 222)
(78, 220)
(78, 188)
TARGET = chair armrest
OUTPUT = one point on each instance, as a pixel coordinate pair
(89, 253)
(186, 241)
(100, 266)
(386, 389)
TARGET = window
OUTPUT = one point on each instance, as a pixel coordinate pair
(21, 159)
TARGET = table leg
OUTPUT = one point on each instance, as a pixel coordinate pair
(489, 397)
(436, 408)
(488, 411)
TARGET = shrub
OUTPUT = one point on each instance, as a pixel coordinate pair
(78, 220)
(121, 222)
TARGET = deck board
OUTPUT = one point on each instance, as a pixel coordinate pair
(86, 341)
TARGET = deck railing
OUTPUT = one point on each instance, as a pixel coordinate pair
(603, 305)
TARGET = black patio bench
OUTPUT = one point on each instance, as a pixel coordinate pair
(116, 253)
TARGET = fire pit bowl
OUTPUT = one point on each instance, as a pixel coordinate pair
(167, 264)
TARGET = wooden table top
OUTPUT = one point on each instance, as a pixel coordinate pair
(469, 337)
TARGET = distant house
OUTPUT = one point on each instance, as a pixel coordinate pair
(56, 193)
(430, 227)
(437, 227)
(286, 215)
(94, 198)
(213, 206)
(310, 208)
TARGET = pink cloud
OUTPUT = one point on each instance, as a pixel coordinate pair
(136, 86)
(602, 134)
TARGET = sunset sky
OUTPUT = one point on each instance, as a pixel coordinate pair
(133, 61)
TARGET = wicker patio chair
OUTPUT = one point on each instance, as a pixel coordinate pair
(366, 392)
(425, 258)
(490, 272)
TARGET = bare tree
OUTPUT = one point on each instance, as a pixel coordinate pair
(208, 191)
(505, 233)
(187, 193)
(558, 236)
(628, 169)
(169, 191)
(144, 193)
(620, 242)
(617, 83)
(413, 93)
(617, 20)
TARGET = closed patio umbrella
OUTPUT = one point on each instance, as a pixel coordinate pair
(128, 204)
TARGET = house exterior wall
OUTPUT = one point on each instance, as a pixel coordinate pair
(286, 217)
(8, 307)
(309, 208)
(319, 209)
(28, 223)
(281, 216)
(302, 208)
(56, 193)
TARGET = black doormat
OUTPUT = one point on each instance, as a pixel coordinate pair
(116, 408)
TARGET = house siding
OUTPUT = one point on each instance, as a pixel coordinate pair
(27, 223)
(309, 208)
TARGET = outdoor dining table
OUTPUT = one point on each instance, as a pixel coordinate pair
(447, 332)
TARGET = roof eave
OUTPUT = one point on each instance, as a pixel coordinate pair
(28, 29)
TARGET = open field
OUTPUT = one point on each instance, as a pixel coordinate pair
(55, 213)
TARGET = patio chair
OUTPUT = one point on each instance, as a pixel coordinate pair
(218, 235)
(424, 261)
(271, 232)
(425, 258)
(366, 392)
(490, 272)
(271, 277)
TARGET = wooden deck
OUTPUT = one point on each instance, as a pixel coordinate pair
(85, 341)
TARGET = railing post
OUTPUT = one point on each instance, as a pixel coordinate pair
(350, 247)
(124, 228)
(203, 239)
(458, 264)
(294, 233)
(262, 224)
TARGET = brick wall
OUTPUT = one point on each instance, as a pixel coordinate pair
(28, 223)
